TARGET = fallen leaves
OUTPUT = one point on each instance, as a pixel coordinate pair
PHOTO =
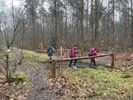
(61, 86)
(14, 91)
(82, 84)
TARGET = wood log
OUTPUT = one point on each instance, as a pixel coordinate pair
(84, 57)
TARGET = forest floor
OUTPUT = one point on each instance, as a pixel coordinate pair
(72, 84)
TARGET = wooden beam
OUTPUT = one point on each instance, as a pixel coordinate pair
(85, 57)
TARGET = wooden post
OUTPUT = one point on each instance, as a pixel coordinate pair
(112, 60)
(61, 51)
(52, 65)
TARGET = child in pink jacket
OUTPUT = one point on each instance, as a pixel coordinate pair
(72, 54)
(92, 52)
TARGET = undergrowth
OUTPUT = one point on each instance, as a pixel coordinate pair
(101, 82)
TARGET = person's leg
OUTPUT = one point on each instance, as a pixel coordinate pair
(50, 57)
(91, 62)
(75, 62)
(70, 64)
(94, 62)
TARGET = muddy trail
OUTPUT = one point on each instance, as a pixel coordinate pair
(40, 89)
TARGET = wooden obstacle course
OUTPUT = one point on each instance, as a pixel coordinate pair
(52, 63)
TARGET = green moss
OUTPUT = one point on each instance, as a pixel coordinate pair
(35, 57)
(19, 77)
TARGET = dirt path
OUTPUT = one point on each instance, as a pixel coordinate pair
(40, 89)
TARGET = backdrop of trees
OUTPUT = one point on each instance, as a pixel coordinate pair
(87, 23)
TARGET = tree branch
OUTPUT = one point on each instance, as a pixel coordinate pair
(2, 72)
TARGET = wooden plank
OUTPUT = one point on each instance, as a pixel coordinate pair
(85, 57)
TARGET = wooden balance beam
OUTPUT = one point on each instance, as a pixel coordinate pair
(52, 63)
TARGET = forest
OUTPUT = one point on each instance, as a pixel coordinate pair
(104, 24)
(29, 27)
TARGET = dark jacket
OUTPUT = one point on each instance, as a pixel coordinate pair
(50, 51)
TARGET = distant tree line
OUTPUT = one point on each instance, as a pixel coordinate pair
(87, 23)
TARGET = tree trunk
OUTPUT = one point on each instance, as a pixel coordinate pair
(132, 23)
(96, 31)
(66, 28)
(82, 21)
(113, 27)
(92, 24)
(108, 32)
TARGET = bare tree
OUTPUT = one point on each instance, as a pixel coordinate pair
(9, 58)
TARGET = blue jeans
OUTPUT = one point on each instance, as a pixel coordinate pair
(71, 61)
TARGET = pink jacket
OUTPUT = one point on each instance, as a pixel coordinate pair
(73, 52)
(92, 52)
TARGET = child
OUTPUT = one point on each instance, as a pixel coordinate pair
(92, 52)
(50, 52)
(72, 54)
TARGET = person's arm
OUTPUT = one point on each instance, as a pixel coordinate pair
(90, 53)
(95, 52)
